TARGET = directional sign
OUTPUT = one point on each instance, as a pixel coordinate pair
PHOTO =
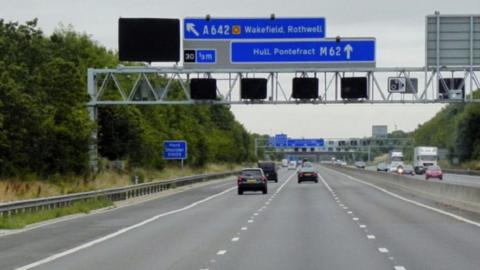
(175, 150)
(305, 142)
(253, 28)
(281, 140)
(353, 50)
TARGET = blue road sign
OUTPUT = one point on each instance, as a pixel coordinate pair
(253, 28)
(346, 50)
(281, 140)
(305, 142)
(206, 56)
(175, 150)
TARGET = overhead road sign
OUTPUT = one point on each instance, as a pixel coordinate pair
(305, 142)
(285, 54)
(281, 140)
(346, 50)
(452, 40)
(252, 28)
(175, 150)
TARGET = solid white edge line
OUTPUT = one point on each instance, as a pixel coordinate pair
(457, 217)
(126, 229)
(119, 232)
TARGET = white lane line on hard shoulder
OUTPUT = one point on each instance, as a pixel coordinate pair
(119, 232)
(383, 250)
(235, 239)
(244, 228)
(371, 236)
(457, 217)
(398, 267)
(221, 252)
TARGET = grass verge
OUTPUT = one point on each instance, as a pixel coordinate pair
(19, 221)
(33, 187)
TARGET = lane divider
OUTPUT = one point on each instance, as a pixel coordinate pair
(120, 232)
(369, 236)
(395, 195)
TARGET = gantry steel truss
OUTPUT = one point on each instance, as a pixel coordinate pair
(156, 85)
(170, 86)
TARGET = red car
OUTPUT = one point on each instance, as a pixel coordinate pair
(433, 172)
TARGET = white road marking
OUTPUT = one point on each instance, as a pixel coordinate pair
(362, 226)
(342, 205)
(250, 221)
(244, 228)
(346, 208)
(235, 239)
(383, 250)
(355, 218)
(119, 232)
(349, 212)
(255, 214)
(221, 252)
(457, 217)
(371, 236)
(398, 267)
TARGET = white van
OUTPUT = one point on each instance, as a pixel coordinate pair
(292, 165)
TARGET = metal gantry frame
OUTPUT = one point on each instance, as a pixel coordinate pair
(337, 146)
(149, 85)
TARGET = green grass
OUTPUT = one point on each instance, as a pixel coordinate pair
(19, 221)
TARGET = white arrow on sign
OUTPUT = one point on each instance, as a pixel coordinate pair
(348, 50)
(191, 28)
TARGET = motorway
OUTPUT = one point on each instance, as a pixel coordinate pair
(456, 179)
(339, 223)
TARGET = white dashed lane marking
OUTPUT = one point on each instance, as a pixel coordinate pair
(400, 268)
(235, 239)
(362, 226)
(221, 252)
(250, 221)
(371, 236)
(355, 218)
(244, 228)
(383, 250)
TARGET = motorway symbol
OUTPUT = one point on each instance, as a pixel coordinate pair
(351, 50)
(253, 28)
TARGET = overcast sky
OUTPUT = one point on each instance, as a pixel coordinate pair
(399, 27)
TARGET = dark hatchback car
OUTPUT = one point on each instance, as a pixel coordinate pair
(307, 173)
(252, 179)
(269, 169)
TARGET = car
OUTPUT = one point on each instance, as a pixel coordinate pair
(252, 179)
(269, 169)
(433, 172)
(307, 173)
(292, 165)
(408, 169)
(341, 162)
(382, 167)
(360, 164)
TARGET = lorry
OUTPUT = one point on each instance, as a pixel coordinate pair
(395, 160)
(423, 157)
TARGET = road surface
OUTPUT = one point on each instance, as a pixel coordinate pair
(456, 179)
(339, 223)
